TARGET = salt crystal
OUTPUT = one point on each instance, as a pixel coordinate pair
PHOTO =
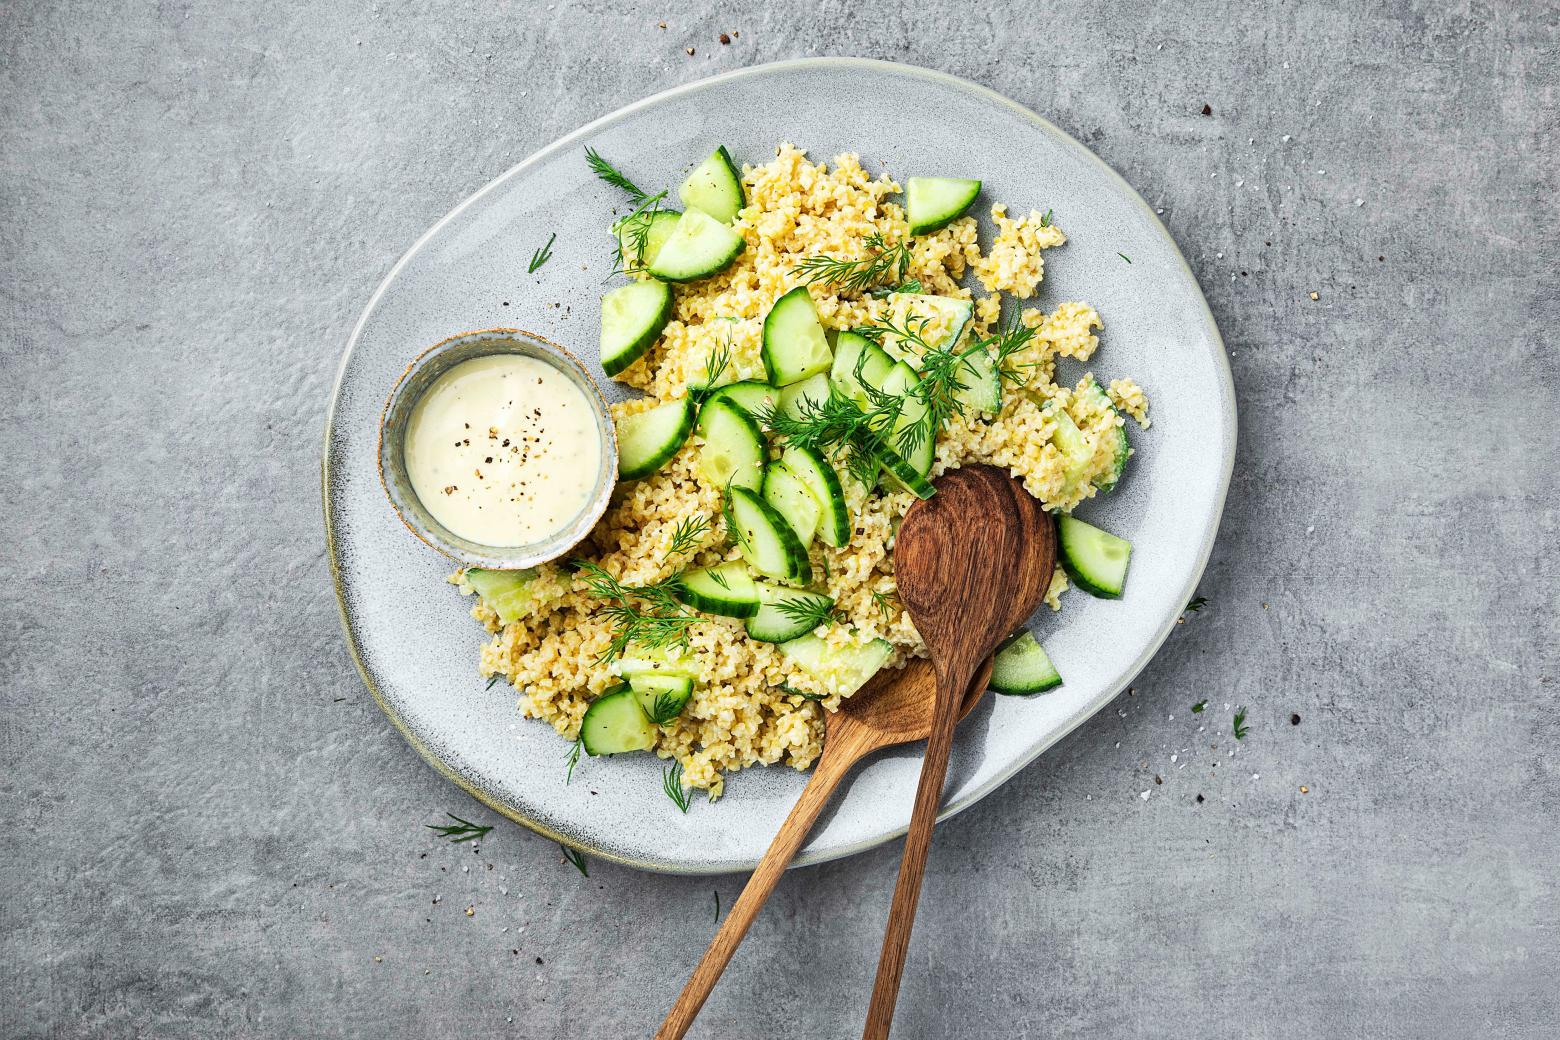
(1256, 776)
(1309, 529)
(1240, 182)
(1145, 795)
(1286, 137)
(1359, 202)
(1173, 759)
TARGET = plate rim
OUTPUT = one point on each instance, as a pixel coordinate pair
(967, 799)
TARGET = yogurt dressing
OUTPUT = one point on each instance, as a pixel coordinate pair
(503, 450)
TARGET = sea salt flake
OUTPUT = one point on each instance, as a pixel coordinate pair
(1145, 795)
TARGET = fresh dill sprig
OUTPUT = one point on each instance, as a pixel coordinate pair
(714, 367)
(493, 680)
(460, 831)
(576, 857)
(637, 225)
(573, 759)
(717, 906)
(1240, 724)
(609, 173)
(1197, 603)
(1045, 221)
(666, 707)
(687, 537)
(1125, 257)
(671, 783)
(647, 615)
(885, 263)
(794, 692)
(720, 579)
(1200, 706)
(809, 610)
(885, 603)
(942, 377)
(835, 426)
(542, 255)
(1007, 341)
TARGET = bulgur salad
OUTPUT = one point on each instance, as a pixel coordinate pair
(810, 362)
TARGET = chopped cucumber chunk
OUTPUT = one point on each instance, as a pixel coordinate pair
(1022, 666)
(939, 321)
(698, 247)
(1072, 442)
(858, 361)
(840, 669)
(661, 697)
(726, 589)
(661, 660)
(794, 344)
(766, 541)
(640, 236)
(1118, 437)
(508, 593)
(787, 614)
(982, 389)
(935, 202)
(814, 388)
(615, 723)
(647, 440)
(751, 395)
(715, 186)
(733, 451)
(813, 470)
(793, 500)
(632, 317)
(1096, 560)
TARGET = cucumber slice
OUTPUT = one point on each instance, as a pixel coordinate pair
(1096, 560)
(793, 500)
(1022, 666)
(726, 589)
(615, 723)
(947, 313)
(661, 697)
(661, 660)
(858, 361)
(698, 247)
(813, 388)
(936, 202)
(1072, 443)
(715, 186)
(733, 451)
(508, 593)
(1117, 435)
(841, 669)
(813, 470)
(751, 395)
(766, 540)
(917, 450)
(632, 317)
(648, 440)
(787, 614)
(982, 390)
(660, 224)
(794, 343)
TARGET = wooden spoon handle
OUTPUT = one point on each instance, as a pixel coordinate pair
(838, 756)
(951, 686)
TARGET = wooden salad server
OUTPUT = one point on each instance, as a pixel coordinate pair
(968, 561)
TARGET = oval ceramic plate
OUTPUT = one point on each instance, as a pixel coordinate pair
(410, 631)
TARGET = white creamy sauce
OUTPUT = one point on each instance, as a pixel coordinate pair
(503, 450)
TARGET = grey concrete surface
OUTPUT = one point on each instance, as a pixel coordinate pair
(210, 831)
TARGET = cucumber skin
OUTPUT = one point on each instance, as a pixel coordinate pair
(799, 564)
(1019, 689)
(734, 391)
(636, 350)
(1065, 555)
(751, 424)
(655, 461)
(609, 702)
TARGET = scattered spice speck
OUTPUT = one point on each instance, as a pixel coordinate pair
(471, 911)
(690, 51)
(1207, 110)
(1316, 296)
(1294, 720)
(724, 38)
(1304, 789)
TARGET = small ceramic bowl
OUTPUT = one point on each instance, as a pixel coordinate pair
(415, 381)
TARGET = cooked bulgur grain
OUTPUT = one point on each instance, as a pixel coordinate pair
(741, 712)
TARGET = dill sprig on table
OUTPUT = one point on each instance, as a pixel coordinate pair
(885, 263)
(671, 783)
(576, 857)
(542, 255)
(609, 173)
(1240, 724)
(645, 615)
(459, 831)
(572, 758)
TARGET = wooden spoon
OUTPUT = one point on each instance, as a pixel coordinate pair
(894, 708)
(967, 561)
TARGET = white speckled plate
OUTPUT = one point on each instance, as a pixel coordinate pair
(410, 632)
